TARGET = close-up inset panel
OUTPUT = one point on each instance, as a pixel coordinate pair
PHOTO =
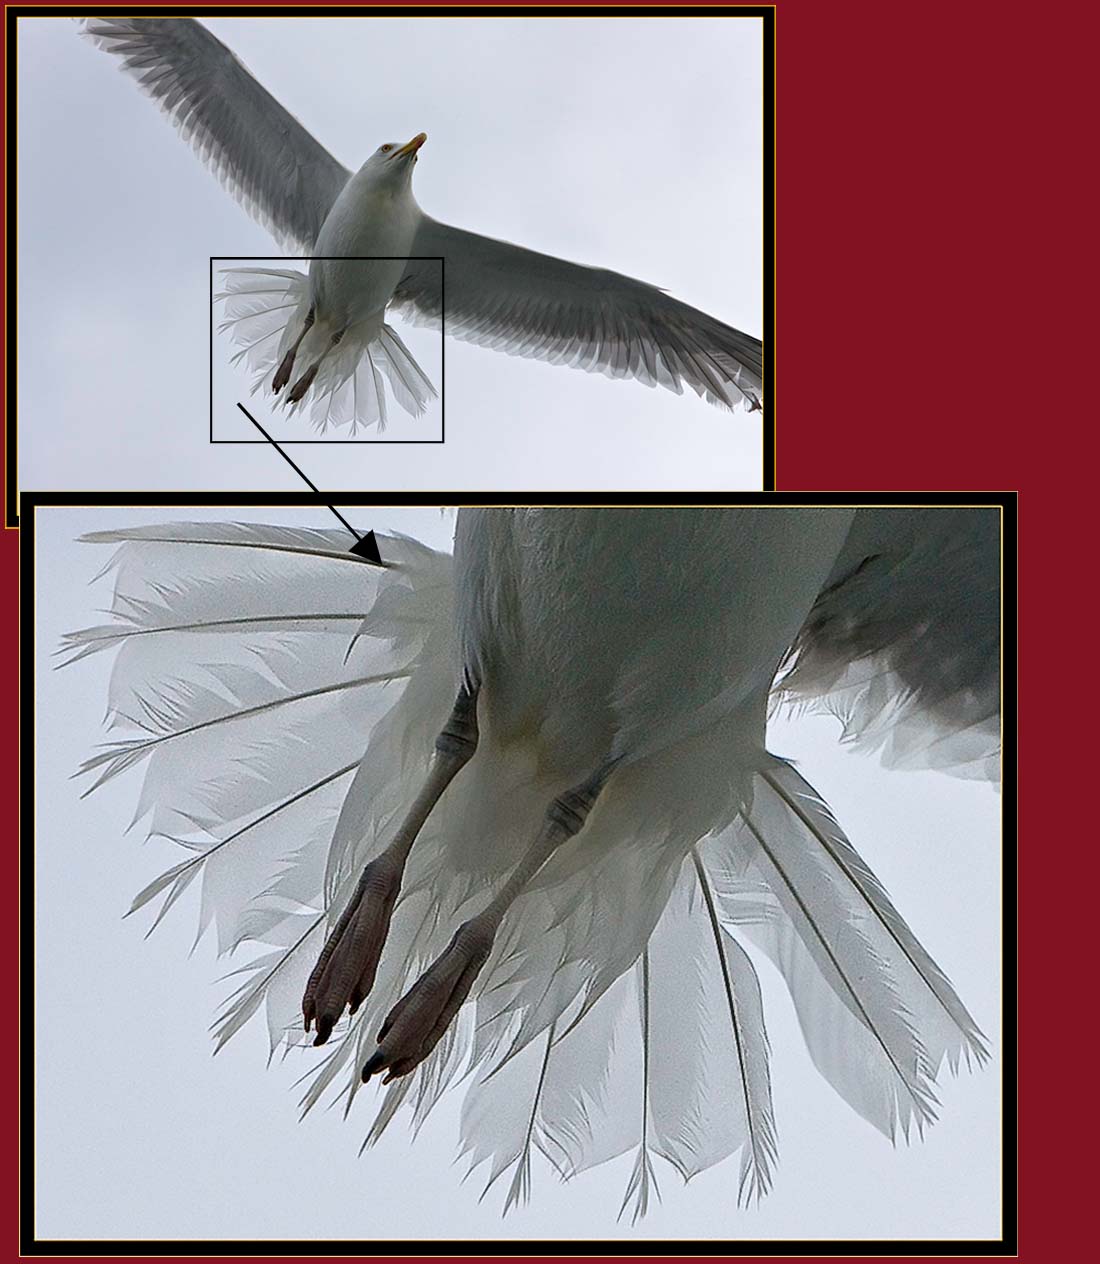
(606, 847)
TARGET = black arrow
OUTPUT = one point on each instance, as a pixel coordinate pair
(366, 546)
(367, 549)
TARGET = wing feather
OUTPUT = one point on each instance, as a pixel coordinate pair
(903, 642)
(279, 173)
(525, 303)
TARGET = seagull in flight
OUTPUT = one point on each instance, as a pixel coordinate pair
(323, 336)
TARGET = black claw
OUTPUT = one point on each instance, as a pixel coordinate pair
(325, 1025)
(374, 1063)
(355, 1002)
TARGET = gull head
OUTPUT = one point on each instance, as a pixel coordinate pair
(393, 162)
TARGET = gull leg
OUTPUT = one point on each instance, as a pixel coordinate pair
(306, 380)
(344, 973)
(282, 376)
(415, 1024)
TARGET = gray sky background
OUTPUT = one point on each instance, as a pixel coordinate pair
(140, 1133)
(630, 144)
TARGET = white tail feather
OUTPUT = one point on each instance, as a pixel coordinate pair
(947, 1029)
(878, 1015)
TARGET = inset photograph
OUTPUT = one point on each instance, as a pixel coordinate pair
(584, 204)
(649, 861)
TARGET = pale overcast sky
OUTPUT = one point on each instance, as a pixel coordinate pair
(140, 1133)
(634, 144)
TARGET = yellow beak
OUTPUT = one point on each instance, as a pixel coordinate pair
(412, 146)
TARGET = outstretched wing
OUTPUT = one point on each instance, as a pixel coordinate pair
(260, 152)
(903, 643)
(529, 304)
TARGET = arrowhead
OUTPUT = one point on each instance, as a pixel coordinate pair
(366, 548)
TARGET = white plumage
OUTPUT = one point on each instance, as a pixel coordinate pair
(285, 699)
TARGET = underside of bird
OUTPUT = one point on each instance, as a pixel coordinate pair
(300, 359)
(494, 294)
(441, 901)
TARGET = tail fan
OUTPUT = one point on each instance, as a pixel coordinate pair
(265, 311)
(878, 1014)
(670, 1062)
(235, 692)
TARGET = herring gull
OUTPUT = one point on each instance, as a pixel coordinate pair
(484, 291)
(322, 337)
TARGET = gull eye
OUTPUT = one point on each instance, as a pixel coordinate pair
(385, 149)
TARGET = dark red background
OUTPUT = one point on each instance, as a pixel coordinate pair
(933, 164)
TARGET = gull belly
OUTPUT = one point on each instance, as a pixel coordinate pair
(360, 252)
(337, 344)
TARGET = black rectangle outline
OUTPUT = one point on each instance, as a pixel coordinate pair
(328, 443)
(1006, 501)
(766, 12)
